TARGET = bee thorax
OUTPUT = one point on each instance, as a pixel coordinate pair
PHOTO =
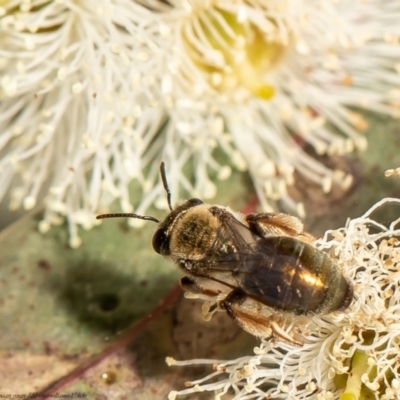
(194, 234)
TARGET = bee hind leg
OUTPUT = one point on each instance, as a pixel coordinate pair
(253, 322)
(278, 224)
(235, 298)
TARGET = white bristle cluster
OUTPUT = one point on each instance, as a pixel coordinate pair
(94, 94)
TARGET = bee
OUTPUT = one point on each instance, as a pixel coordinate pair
(258, 266)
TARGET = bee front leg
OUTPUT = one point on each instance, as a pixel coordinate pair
(252, 321)
(194, 286)
(189, 285)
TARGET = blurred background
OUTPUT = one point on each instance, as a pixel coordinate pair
(287, 106)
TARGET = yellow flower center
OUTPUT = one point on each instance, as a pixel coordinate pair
(232, 51)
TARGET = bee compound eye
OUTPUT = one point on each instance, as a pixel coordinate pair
(160, 241)
(195, 202)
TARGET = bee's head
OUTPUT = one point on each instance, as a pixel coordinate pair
(162, 235)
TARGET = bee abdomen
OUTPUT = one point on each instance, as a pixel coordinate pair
(338, 290)
(310, 282)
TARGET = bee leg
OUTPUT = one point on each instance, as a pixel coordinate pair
(189, 285)
(278, 224)
(192, 286)
(253, 322)
(235, 297)
(278, 331)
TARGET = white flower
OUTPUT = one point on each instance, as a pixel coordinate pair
(358, 347)
(94, 94)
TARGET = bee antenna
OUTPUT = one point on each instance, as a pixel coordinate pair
(129, 215)
(165, 183)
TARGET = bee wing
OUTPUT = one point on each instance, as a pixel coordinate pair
(273, 270)
(257, 226)
(284, 273)
(276, 277)
(232, 234)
